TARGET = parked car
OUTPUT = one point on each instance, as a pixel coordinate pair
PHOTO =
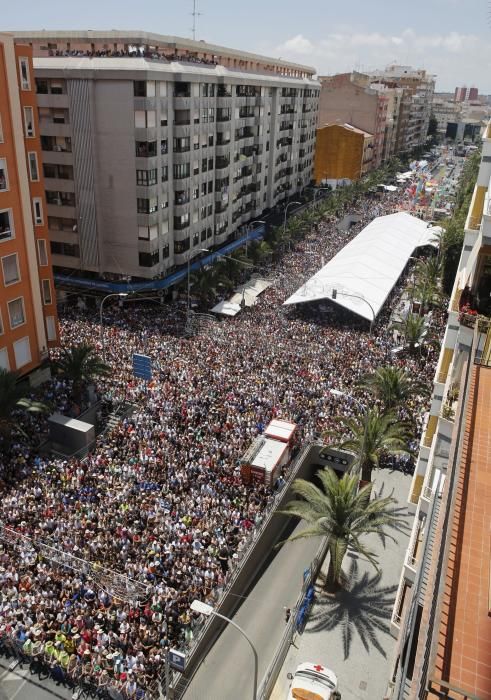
(313, 682)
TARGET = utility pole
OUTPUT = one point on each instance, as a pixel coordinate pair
(195, 14)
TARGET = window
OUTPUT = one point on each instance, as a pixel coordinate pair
(42, 252)
(37, 207)
(147, 233)
(144, 119)
(16, 312)
(208, 115)
(22, 352)
(146, 206)
(207, 90)
(1, 324)
(165, 251)
(46, 286)
(25, 80)
(181, 170)
(181, 222)
(165, 173)
(10, 267)
(145, 178)
(181, 246)
(181, 145)
(6, 226)
(4, 181)
(148, 259)
(1, 130)
(33, 166)
(28, 122)
(51, 327)
(4, 357)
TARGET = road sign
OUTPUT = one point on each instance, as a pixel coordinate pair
(177, 660)
(142, 366)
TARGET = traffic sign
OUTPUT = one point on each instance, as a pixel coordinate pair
(177, 660)
(142, 366)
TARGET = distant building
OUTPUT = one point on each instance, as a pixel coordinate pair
(28, 318)
(342, 100)
(465, 94)
(343, 152)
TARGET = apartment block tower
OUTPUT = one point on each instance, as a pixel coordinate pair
(465, 94)
(418, 88)
(156, 147)
(28, 319)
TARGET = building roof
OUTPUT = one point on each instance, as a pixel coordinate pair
(150, 38)
(131, 64)
(365, 271)
(349, 127)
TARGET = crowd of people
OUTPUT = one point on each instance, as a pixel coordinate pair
(132, 52)
(161, 499)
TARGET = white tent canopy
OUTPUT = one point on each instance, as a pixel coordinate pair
(365, 271)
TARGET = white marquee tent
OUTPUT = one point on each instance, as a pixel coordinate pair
(365, 271)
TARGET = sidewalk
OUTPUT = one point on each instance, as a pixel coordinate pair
(350, 633)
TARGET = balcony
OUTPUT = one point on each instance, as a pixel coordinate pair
(413, 554)
(181, 198)
(400, 606)
(221, 162)
(476, 209)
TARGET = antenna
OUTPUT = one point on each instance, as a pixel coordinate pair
(194, 14)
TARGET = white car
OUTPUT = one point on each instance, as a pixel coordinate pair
(313, 682)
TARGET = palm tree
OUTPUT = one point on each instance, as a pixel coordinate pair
(14, 396)
(342, 513)
(371, 434)
(392, 385)
(413, 329)
(259, 251)
(81, 366)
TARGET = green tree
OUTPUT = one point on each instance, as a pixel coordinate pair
(414, 331)
(342, 513)
(81, 365)
(371, 434)
(14, 396)
(392, 385)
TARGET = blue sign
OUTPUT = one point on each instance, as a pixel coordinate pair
(142, 367)
(177, 660)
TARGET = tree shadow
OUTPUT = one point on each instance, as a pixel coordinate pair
(362, 607)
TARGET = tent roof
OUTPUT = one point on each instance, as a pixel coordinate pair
(365, 271)
(226, 308)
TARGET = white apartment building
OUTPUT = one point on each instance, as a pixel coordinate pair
(156, 147)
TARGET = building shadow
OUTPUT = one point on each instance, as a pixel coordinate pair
(362, 608)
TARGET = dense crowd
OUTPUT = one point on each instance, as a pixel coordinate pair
(132, 52)
(161, 498)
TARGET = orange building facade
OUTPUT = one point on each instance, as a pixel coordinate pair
(28, 318)
(342, 152)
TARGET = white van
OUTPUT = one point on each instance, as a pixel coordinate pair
(313, 682)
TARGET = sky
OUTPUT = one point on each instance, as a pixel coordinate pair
(449, 38)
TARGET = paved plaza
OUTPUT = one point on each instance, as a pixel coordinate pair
(350, 632)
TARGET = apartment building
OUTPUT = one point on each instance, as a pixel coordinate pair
(415, 105)
(442, 613)
(343, 99)
(156, 147)
(28, 319)
(465, 94)
(343, 152)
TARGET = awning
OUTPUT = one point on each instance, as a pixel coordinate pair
(226, 308)
(364, 272)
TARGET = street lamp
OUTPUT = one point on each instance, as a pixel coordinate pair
(335, 292)
(248, 228)
(286, 209)
(108, 296)
(205, 609)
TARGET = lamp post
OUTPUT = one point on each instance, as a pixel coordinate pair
(249, 226)
(335, 292)
(344, 394)
(320, 189)
(108, 296)
(286, 210)
(205, 609)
